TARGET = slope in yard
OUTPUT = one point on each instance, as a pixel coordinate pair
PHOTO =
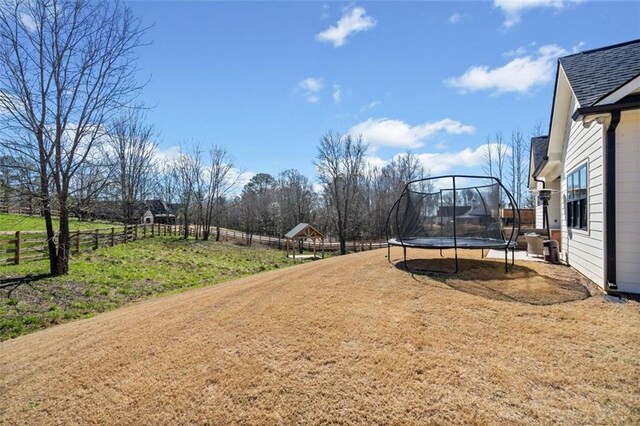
(111, 277)
(350, 338)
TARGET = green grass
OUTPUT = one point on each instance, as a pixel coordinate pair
(109, 278)
(15, 222)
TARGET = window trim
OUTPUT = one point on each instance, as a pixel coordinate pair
(571, 202)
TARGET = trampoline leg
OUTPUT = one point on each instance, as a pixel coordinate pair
(506, 260)
(388, 252)
(513, 257)
(404, 249)
(456, 250)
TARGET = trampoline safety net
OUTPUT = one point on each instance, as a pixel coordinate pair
(453, 212)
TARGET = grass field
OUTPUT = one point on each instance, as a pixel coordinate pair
(108, 278)
(347, 340)
(15, 222)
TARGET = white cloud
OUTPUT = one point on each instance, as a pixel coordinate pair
(167, 155)
(351, 22)
(513, 9)
(310, 87)
(325, 11)
(311, 84)
(396, 133)
(370, 105)
(373, 161)
(456, 17)
(337, 94)
(28, 22)
(437, 163)
(515, 52)
(519, 75)
(241, 178)
(578, 47)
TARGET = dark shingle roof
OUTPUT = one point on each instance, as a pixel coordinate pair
(594, 74)
(539, 147)
(158, 208)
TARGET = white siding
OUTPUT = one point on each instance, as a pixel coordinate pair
(584, 250)
(148, 217)
(538, 208)
(628, 202)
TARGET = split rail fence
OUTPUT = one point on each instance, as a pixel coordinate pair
(27, 246)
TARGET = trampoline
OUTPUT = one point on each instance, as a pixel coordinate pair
(453, 212)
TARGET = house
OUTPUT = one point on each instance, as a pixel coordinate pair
(158, 212)
(591, 162)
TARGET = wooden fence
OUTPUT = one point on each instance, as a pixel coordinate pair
(280, 243)
(27, 246)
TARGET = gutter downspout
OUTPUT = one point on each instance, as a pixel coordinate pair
(610, 206)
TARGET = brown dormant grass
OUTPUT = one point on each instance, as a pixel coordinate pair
(350, 340)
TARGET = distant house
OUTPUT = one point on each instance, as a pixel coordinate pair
(591, 157)
(158, 212)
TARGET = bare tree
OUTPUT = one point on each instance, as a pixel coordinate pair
(259, 207)
(488, 157)
(340, 163)
(220, 180)
(66, 66)
(518, 167)
(130, 152)
(296, 199)
(187, 170)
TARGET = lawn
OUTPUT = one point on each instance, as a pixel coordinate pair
(109, 278)
(347, 340)
(16, 222)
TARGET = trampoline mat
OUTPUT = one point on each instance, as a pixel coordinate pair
(445, 243)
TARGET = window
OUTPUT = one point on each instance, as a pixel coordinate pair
(577, 198)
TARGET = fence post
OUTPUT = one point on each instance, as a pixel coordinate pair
(78, 242)
(17, 253)
(125, 234)
(113, 232)
(96, 243)
(152, 231)
(135, 232)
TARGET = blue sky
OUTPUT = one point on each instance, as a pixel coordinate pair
(267, 79)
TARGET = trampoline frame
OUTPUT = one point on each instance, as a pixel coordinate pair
(506, 245)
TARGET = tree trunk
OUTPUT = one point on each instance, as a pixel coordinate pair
(217, 233)
(64, 242)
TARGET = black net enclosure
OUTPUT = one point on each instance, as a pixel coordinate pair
(454, 212)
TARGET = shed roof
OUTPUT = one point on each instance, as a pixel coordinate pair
(303, 230)
(594, 74)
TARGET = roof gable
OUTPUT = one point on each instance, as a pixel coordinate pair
(539, 148)
(303, 230)
(594, 74)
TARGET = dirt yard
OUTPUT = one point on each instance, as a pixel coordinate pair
(350, 340)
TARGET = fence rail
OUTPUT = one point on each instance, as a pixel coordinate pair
(27, 246)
